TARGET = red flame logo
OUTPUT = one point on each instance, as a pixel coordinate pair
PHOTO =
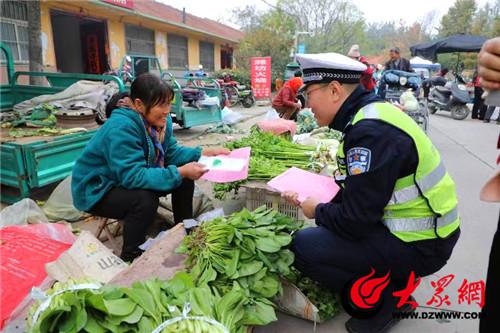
(365, 292)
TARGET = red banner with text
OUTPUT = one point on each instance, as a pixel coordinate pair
(260, 71)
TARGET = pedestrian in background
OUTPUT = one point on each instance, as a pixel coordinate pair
(489, 113)
(438, 80)
(367, 80)
(479, 108)
(397, 62)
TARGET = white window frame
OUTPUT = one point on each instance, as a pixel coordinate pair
(16, 24)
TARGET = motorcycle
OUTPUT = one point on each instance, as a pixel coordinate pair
(394, 83)
(451, 98)
(234, 93)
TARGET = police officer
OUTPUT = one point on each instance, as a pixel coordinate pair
(397, 208)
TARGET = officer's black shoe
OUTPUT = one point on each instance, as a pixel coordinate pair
(381, 323)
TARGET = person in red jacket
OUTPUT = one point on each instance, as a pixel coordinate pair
(367, 79)
(286, 102)
(478, 108)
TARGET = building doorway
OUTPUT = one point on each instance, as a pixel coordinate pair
(226, 57)
(79, 43)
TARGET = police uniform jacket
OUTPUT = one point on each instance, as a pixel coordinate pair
(357, 211)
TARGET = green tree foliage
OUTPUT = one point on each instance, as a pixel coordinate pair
(335, 25)
(267, 34)
(463, 17)
(495, 14)
(459, 18)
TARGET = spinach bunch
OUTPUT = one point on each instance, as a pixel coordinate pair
(246, 251)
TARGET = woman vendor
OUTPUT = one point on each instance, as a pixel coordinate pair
(134, 159)
(285, 102)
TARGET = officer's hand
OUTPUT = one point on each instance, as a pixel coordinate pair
(215, 151)
(193, 170)
(309, 207)
(489, 64)
(291, 197)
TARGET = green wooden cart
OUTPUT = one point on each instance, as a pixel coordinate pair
(189, 116)
(185, 115)
(30, 163)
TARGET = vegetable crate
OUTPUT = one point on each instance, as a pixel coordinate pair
(259, 194)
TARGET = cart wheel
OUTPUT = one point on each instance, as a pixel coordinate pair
(232, 95)
(248, 101)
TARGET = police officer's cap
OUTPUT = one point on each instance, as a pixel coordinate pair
(327, 67)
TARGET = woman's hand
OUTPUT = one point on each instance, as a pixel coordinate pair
(214, 151)
(193, 170)
(308, 206)
(291, 197)
(489, 64)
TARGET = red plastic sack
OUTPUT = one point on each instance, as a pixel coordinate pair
(278, 126)
(25, 251)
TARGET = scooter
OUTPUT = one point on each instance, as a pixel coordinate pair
(449, 98)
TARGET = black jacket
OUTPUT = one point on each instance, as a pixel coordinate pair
(357, 210)
(403, 65)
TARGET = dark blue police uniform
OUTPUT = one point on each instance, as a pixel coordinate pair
(350, 238)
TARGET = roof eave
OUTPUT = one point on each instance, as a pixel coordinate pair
(179, 25)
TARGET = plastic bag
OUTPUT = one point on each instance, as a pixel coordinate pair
(59, 206)
(409, 101)
(185, 317)
(210, 101)
(25, 252)
(23, 212)
(230, 117)
(218, 212)
(271, 115)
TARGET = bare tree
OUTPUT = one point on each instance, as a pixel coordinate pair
(429, 22)
(35, 41)
(334, 24)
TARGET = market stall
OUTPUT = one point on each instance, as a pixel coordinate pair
(224, 273)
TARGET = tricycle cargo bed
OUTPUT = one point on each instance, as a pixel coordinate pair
(27, 164)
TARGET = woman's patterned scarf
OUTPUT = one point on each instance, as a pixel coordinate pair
(157, 135)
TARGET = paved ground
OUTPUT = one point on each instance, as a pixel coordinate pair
(469, 151)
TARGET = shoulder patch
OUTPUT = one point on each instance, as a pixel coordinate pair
(358, 160)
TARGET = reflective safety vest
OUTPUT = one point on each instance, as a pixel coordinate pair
(424, 204)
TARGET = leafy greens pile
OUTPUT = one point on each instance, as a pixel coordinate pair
(234, 268)
(246, 251)
(141, 308)
(271, 156)
(324, 299)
